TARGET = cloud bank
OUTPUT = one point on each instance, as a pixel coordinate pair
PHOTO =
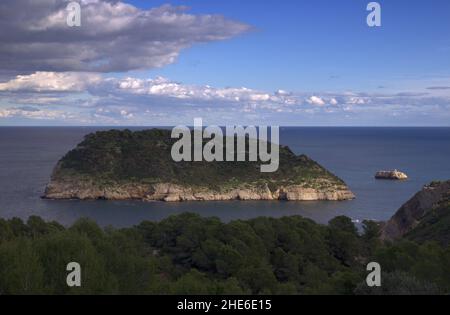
(54, 74)
(114, 36)
(89, 98)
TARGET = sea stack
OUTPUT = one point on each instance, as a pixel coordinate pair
(393, 175)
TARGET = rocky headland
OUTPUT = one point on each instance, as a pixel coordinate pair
(425, 216)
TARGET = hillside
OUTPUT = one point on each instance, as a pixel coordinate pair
(435, 225)
(424, 217)
(121, 165)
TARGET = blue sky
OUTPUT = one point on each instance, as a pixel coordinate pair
(285, 62)
(319, 45)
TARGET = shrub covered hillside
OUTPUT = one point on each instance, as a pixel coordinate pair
(434, 225)
(145, 157)
(187, 254)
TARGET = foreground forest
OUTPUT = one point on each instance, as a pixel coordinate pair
(187, 254)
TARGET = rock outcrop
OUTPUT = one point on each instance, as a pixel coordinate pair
(411, 213)
(393, 175)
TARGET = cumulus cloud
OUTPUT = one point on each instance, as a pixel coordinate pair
(90, 98)
(32, 113)
(51, 82)
(356, 100)
(164, 87)
(114, 36)
(315, 100)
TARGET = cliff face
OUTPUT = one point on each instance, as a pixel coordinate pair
(175, 193)
(121, 165)
(412, 213)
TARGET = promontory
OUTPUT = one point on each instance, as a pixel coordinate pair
(125, 165)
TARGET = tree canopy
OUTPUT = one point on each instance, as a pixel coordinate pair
(188, 254)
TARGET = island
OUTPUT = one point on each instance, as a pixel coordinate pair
(127, 165)
(393, 175)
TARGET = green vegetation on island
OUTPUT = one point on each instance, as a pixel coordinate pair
(121, 164)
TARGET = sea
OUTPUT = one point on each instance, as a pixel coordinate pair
(29, 154)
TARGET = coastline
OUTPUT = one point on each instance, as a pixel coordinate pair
(168, 192)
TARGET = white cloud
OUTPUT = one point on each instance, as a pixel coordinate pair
(163, 87)
(31, 113)
(315, 100)
(356, 100)
(89, 98)
(51, 82)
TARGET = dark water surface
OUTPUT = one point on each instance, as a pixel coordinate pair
(28, 155)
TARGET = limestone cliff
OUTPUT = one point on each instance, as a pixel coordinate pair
(84, 190)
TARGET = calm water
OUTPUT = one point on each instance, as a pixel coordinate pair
(28, 155)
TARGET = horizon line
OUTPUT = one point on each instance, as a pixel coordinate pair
(223, 126)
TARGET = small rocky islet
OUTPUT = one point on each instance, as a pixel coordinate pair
(126, 165)
(391, 175)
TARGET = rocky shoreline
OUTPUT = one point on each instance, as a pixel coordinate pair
(167, 192)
